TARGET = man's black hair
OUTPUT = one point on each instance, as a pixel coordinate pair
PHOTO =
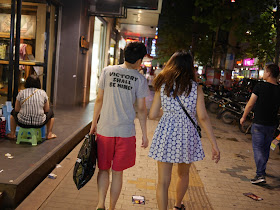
(273, 69)
(33, 81)
(134, 51)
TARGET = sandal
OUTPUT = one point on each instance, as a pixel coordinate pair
(180, 208)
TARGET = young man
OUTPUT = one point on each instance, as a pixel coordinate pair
(119, 87)
(266, 97)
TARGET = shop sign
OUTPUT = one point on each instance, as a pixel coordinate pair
(84, 44)
(239, 62)
(248, 62)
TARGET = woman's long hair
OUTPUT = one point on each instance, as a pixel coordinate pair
(179, 70)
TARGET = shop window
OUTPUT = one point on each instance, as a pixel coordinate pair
(35, 41)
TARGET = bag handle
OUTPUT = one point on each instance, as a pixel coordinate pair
(29, 96)
(195, 125)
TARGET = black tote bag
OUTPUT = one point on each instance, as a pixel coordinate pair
(86, 162)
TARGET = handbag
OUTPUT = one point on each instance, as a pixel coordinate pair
(197, 127)
(86, 162)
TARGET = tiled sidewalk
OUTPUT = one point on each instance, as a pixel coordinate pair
(61, 193)
(212, 186)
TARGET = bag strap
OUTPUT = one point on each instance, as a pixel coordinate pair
(29, 96)
(195, 125)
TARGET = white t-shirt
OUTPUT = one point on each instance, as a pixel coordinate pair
(121, 87)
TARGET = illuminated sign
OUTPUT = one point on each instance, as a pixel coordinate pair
(248, 62)
(239, 62)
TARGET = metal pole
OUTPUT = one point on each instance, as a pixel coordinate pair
(11, 51)
(16, 69)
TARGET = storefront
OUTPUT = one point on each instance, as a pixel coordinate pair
(248, 68)
(29, 47)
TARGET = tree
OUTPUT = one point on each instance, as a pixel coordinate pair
(254, 22)
(175, 32)
(213, 28)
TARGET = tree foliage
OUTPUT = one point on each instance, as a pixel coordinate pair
(251, 28)
(175, 32)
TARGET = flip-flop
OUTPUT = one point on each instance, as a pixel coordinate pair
(52, 137)
(10, 138)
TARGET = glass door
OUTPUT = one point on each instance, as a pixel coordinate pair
(97, 56)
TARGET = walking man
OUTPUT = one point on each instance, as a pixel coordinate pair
(120, 86)
(266, 98)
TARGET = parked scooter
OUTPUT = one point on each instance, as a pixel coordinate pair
(232, 111)
(214, 97)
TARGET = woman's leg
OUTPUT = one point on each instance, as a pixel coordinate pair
(164, 178)
(50, 122)
(182, 182)
(103, 184)
(50, 134)
(116, 187)
(13, 125)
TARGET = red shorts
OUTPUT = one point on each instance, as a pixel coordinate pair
(122, 151)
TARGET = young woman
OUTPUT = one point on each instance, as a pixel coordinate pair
(176, 140)
(32, 109)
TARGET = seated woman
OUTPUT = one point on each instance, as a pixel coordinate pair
(32, 109)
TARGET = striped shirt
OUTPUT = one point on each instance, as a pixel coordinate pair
(32, 110)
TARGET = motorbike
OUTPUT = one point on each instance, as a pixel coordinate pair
(232, 111)
(214, 97)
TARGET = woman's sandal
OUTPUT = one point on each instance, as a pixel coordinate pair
(180, 208)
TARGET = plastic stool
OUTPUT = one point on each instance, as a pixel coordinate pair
(32, 135)
(7, 113)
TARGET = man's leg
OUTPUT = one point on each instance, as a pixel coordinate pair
(258, 137)
(116, 187)
(164, 178)
(105, 152)
(269, 131)
(103, 184)
(124, 157)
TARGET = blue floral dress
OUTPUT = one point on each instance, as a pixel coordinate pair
(175, 139)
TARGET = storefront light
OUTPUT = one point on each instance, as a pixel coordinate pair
(261, 73)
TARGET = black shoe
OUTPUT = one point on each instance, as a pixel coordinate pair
(258, 180)
(180, 208)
